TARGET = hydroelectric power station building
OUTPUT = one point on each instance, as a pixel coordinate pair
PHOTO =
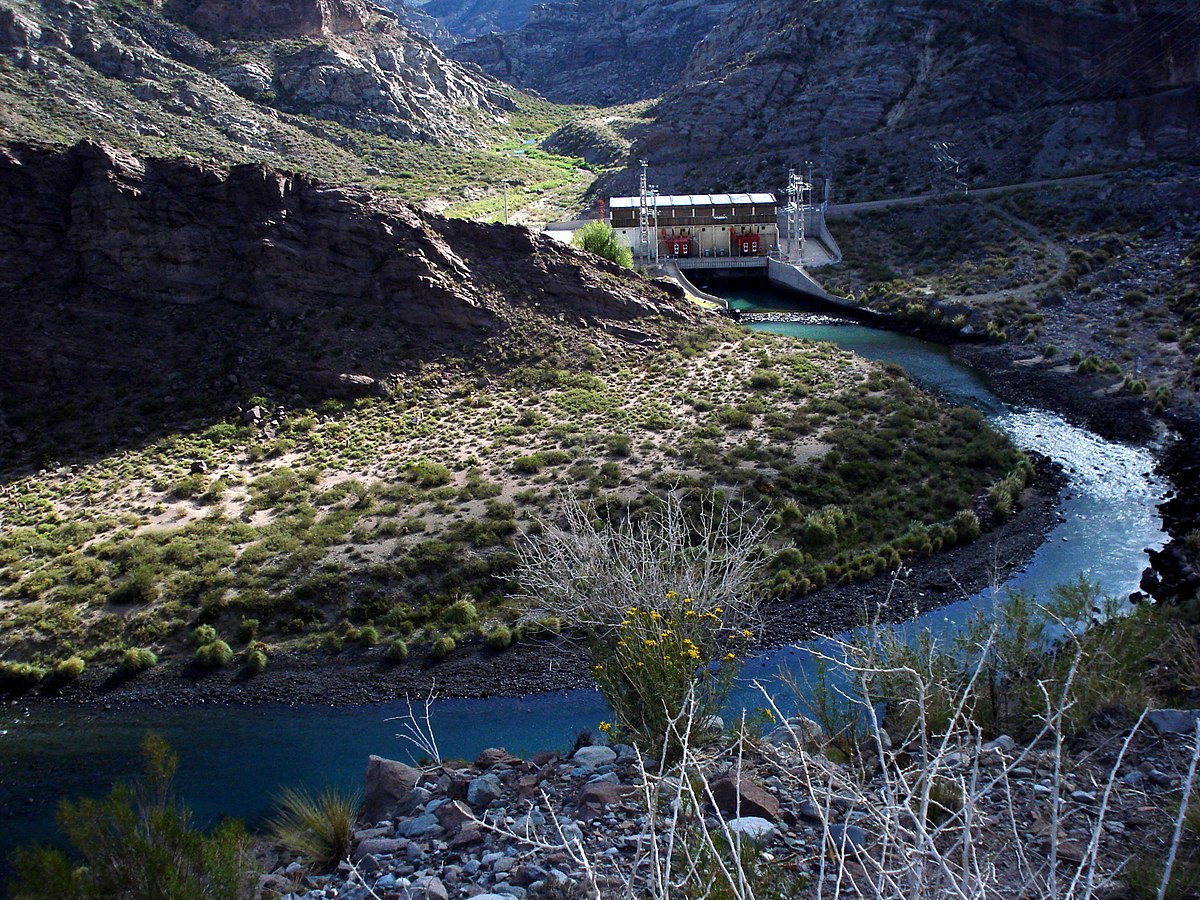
(688, 226)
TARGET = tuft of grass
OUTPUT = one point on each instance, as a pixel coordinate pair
(138, 659)
(213, 655)
(443, 647)
(70, 668)
(319, 828)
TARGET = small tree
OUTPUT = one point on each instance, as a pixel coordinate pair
(599, 238)
(138, 843)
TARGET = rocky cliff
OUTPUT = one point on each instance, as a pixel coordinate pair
(343, 60)
(578, 52)
(471, 18)
(137, 291)
(1016, 88)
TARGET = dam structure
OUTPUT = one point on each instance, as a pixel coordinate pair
(685, 234)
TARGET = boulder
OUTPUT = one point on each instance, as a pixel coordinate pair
(379, 847)
(598, 794)
(428, 888)
(591, 757)
(739, 796)
(453, 816)
(496, 756)
(483, 791)
(847, 838)
(752, 828)
(1174, 721)
(386, 788)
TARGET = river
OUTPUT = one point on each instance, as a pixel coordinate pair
(234, 760)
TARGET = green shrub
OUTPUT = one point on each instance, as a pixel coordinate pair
(443, 647)
(966, 525)
(397, 650)
(256, 657)
(368, 636)
(601, 239)
(138, 843)
(204, 634)
(138, 659)
(460, 612)
(500, 637)
(19, 676)
(213, 655)
(320, 828)
(764, 379)
(140, 587)
(69, 668)
(247, 630)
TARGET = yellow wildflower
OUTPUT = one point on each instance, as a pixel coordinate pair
(693, 652)
(654, 614)
(746, 632)
(730, 657)
(606, 727)
(688, 600)
(650, 643)
(671, 595)
(719, 610)
(690, 612)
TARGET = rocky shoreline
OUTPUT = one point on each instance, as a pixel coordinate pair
(589, 820)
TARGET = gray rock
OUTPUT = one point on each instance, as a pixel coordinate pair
(428, 888)
(379, 847)
(753, 828)
(386, 788)
(421, 826)
(809, 810)
(1002, 744)
(594, 756)
(847, 838)
(1174, 721)
(483, 791)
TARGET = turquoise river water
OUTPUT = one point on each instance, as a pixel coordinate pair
(234, 760)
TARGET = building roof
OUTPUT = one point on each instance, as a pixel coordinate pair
(696, 200)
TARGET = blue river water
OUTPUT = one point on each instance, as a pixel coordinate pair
(235, 760)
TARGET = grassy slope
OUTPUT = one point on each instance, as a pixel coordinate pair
(148, 117)
(323, 521)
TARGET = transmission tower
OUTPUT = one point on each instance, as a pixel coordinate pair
(654, 219)
(799, 193)
(644, 215)
(950, 166)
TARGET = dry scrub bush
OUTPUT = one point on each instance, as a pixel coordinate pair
(667, 602)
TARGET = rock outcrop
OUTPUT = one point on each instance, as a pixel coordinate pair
(1017, 88)
(471, 18)
(142, 290)
(578, 52)
(347, 61)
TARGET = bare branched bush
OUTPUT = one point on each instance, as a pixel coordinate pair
(665, 602)
(589, 572)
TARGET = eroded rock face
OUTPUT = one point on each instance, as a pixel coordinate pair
(582, 52)
(1017, 88)
(343, 60)
(154, 279)
(280, 18)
